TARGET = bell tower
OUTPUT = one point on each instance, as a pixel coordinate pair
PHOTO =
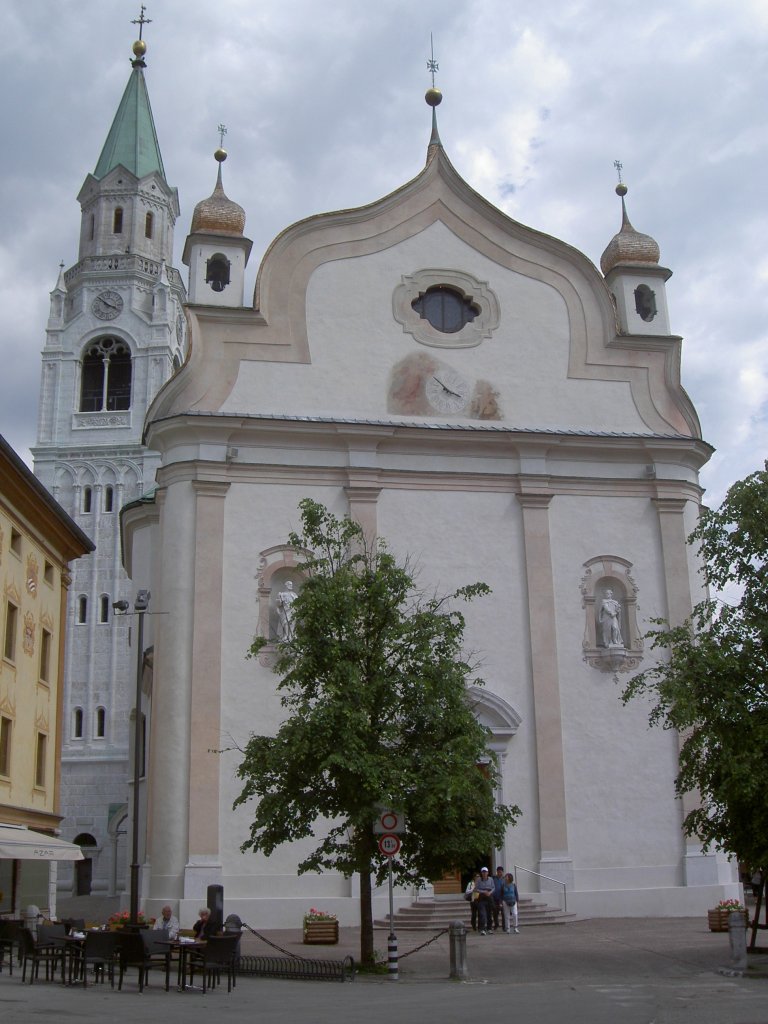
(116, 332)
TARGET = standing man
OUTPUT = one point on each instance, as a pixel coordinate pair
(484, 889)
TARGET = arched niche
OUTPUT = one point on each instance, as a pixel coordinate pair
(612, 641)
(277, 567)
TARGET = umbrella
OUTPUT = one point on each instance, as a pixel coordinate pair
(20, 843)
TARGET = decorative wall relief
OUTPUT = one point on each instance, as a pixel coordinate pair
(612, 641)
(28, 643)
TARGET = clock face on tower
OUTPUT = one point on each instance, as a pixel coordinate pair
(107, 305)
(447, 390)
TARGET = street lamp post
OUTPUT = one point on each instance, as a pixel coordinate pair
(140, 606)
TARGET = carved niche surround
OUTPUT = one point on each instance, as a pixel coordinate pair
(602, 573)
(277, 565)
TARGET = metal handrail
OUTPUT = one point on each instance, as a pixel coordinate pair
(549, 878)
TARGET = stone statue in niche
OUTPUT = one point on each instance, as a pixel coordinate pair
(285, 601)
(609, 618)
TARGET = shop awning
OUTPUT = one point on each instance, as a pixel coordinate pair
(20, 843)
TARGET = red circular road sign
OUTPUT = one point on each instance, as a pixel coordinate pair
(389, 820)
(389, 844)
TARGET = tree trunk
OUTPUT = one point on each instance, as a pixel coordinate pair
(366, 920)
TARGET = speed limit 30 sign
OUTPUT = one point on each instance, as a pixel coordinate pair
(389, 844)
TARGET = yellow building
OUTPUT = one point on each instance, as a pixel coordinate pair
(37, 542)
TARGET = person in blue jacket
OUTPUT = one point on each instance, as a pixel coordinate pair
(510, 898)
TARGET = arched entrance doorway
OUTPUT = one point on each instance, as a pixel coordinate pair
(84, 867)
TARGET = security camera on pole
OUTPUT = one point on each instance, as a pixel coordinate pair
(388, 827)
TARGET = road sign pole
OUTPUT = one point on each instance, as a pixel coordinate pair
(392, 971)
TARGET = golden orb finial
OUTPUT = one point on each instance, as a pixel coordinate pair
(621, 189)
(220, 155)
(139, 48)
(433, 97)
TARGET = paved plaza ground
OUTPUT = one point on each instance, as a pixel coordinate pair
(623, 971)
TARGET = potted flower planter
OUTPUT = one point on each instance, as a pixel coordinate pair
(320, 930)
(717, 919)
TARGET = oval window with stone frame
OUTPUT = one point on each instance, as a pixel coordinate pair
(446, 309)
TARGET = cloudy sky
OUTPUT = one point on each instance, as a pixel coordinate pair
(324, 107)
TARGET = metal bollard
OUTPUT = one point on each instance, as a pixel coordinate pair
(392, 972)
(737, 936)
(457, 937)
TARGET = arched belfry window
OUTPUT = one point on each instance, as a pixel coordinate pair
(148, 224)
(445, 308)
(117, 221)
(645, 303)
(217, 272)
(106, 376)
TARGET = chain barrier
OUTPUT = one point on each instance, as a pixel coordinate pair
(296, 956)
(416, 949)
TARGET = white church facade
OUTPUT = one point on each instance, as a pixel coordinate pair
(483, 398)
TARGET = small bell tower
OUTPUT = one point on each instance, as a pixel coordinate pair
(216, 251)
(634, 277)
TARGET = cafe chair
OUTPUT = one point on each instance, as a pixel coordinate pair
(10, 942)
(99, 951)
(39, 951)
(219, 954)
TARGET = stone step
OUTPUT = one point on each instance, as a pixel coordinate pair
(433, 915)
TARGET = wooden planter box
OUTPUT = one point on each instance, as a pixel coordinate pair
(321, 933)
(718, 919)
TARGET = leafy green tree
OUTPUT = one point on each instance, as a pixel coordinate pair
(373, 681)
(712, 685)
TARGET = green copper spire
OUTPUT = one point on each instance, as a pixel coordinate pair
(132, 140)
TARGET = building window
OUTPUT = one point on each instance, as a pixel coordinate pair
(109, 499)
(82, 609)
(100, 728)
(217, 272)
(445, 309)
(87, 499)
(11, 625)
(15, 542)
(117, 221)
(6, 726)
(92, 228)
(106, 377)
(48, 574)
(45, 656)
(148, 224)
(104, 608)
(40, 758)
(77, 724)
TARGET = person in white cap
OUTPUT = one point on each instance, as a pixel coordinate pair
(484, 889)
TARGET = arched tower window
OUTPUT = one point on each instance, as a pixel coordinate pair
(645, 303)
(77, 724)
(217, 272)
(101, 723)
(87, 499)
(92, 228)
(82, 609)
(106, 377)
(117, 221)
(104, 608)
(148, 224)
(109, 499)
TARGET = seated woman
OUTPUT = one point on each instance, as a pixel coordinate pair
(202, 927)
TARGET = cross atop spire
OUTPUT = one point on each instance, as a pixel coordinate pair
(432, 65)
(222, 130)
(141, 21)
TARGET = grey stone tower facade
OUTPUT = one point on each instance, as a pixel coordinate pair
(116, 332)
